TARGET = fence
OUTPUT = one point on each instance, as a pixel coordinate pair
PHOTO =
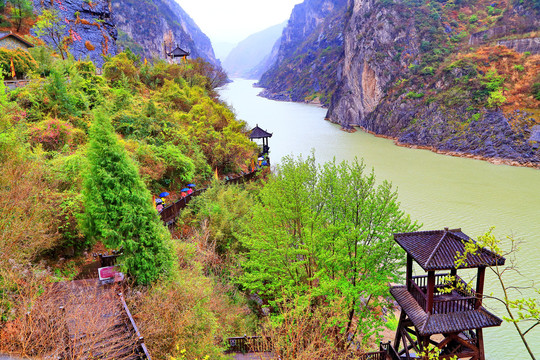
(171, 212)
(248, 344)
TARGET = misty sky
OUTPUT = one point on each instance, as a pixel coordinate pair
(233, 20)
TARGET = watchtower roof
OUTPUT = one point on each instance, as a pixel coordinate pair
(258, 133)
(436, 250)
(178, 52)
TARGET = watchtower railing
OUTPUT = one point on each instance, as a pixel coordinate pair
(464, 298)
(389, 350)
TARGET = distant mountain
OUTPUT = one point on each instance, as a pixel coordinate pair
(222, 49)
(310, 53)
(143, 26)
(249, 53)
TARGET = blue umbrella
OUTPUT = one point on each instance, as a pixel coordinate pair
(164, 194)
(190, 185)
(184, 189)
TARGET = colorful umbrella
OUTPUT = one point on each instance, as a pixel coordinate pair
(184, 189)
(164, 194)
(190, 185)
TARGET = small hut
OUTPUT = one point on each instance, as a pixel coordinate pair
(11, 41)
(258, 133)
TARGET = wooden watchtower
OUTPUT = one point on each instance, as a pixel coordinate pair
(438, 308)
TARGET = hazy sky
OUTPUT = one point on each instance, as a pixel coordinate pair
(233, 20)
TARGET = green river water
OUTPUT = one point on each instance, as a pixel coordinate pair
(436, 190)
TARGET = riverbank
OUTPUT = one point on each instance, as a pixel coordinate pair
(492, 160)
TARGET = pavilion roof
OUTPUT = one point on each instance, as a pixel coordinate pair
(178, 52)
(436, 250)
(258, 133)
(429, 324)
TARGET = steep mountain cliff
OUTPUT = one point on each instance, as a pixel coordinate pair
(145, 25)
(306, 68)
(87, 27)
(410, 73)
(427, 73)
(251, 51)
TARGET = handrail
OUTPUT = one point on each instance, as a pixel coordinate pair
(140, 339)
(170, 213)
(248, 344)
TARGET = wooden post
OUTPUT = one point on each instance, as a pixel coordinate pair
(480, 344)
(409, 273)
(480, 286)
(430, 291)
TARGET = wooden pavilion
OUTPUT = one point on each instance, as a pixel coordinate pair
(439, 308)
(178, 53)
(258, 133)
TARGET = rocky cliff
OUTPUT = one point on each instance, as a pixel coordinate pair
(145, 26)
(89, 28)
(427, 73)
(310, 49)
(409, 73)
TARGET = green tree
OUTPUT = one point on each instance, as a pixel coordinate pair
(50, 28)
(523, 313)
(326, 231)
(21, 9)
(118, 207)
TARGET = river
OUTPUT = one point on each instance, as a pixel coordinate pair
(436, 190)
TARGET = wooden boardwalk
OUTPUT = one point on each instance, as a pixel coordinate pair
(97, 323)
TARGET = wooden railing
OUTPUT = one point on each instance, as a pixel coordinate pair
(248, 344)
(171, 212)
(418, 295)
(443, 306)
(377, 355)
(143, 348)
(453, 305)
(389, 350)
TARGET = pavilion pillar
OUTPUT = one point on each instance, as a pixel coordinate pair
(409, 272)
(453, 274)
(480, 286)
(430, 290)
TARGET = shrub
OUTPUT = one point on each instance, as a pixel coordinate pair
(535, 90)
(53, 134)
(473, 19)
(23, 62)
(519, 68)
(414, 95)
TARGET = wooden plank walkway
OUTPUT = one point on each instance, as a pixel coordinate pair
(97, 322)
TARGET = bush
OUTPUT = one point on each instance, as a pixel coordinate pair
(473, 19)
(414, 95)
(53, 134)
(535, 90)
(23, 62)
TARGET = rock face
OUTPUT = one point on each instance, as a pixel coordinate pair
(88, 25)
(145, 26)
(309, 53)
(251, 52)
(531, 45)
